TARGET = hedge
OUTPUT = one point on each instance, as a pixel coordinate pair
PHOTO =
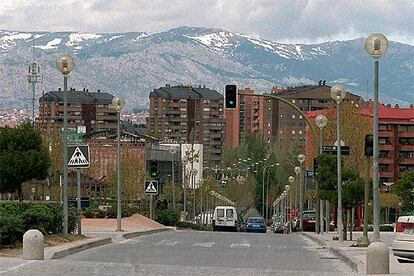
(18, 217)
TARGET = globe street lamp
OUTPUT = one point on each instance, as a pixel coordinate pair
(118, 103)
(338, 93)
(301, 159)
(65, 64)
(297, 170)
(376, 45)
(321, 121)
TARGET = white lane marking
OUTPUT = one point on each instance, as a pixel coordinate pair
(203, 244)
(167, 243)
(243, 244)
(17, 266)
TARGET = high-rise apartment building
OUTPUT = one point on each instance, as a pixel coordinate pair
(185, 114)
(91, 111)
(276, 120)
(253, 114)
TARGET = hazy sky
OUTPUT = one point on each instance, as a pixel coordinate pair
(281, 20)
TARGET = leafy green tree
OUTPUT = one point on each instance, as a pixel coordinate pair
(353, 189)
(326, 175)
(405, 190)
(22, 157)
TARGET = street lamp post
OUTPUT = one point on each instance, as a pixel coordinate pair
(65, 63)
(118, 103)
(173, 151)
(287, 188)
(301, 159)
(321, 122)
(267, 193)
(263, 189)
(376, 45)
(291, 180)
(338, 93)
(297, 170)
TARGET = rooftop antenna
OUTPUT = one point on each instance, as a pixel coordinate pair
(34, 77)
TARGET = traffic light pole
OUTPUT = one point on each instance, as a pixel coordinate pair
(365, 240)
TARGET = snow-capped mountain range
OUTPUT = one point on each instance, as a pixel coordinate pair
(134, 63)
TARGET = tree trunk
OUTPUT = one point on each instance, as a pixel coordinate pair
(352, 223)
(19, 193)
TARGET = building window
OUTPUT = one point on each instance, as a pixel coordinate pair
(383, 127)
(405, 127)
(206, 109)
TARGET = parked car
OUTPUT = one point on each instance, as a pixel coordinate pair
(309, 220)
(255, 224)
(403, 244)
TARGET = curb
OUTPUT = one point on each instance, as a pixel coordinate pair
(355, 265)
(79, 247)
(146, 232)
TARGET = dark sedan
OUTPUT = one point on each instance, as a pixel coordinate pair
(257, 225)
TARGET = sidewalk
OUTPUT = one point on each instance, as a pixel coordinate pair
(99, 232)
(356, 256)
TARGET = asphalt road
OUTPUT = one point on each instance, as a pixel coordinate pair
(196, 253)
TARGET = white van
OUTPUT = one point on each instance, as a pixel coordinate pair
(225, 218)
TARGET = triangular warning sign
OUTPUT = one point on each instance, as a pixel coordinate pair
(78, 159)
(151, 188)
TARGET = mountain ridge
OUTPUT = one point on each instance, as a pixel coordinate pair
(134, 63)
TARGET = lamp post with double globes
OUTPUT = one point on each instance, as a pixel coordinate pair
(321, 122)
(118, 103)
(288, 204)
(65, 63)
(291, 179)
(297, 170)
(301, 159)
(338, 93)
(376, 45)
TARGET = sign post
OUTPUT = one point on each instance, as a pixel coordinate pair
(79, 158)
(332, 150)
(151, 189)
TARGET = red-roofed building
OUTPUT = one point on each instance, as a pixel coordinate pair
(396, 140)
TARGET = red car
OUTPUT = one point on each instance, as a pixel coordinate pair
(309, 220)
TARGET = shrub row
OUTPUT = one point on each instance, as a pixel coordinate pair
(17, 217)
(126, 211)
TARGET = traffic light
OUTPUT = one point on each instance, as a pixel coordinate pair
(153, 168)
(230, 96)
(315, 165)
(369, 145)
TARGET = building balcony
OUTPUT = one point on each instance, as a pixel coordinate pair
(406, 147)
(386, 133)
(386, 147)
(406, 134)
(386, 160)
(389, 174)
(405, 160)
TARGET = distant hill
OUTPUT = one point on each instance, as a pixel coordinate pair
(134, 63)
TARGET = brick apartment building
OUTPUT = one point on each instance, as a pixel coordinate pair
(91, 110)
(396, 140)
(274, 119)
(181, 114)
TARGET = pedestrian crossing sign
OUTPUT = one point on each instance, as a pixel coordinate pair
(79, 156)
(151, 187)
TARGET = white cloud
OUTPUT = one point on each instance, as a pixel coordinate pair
(303, 21)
